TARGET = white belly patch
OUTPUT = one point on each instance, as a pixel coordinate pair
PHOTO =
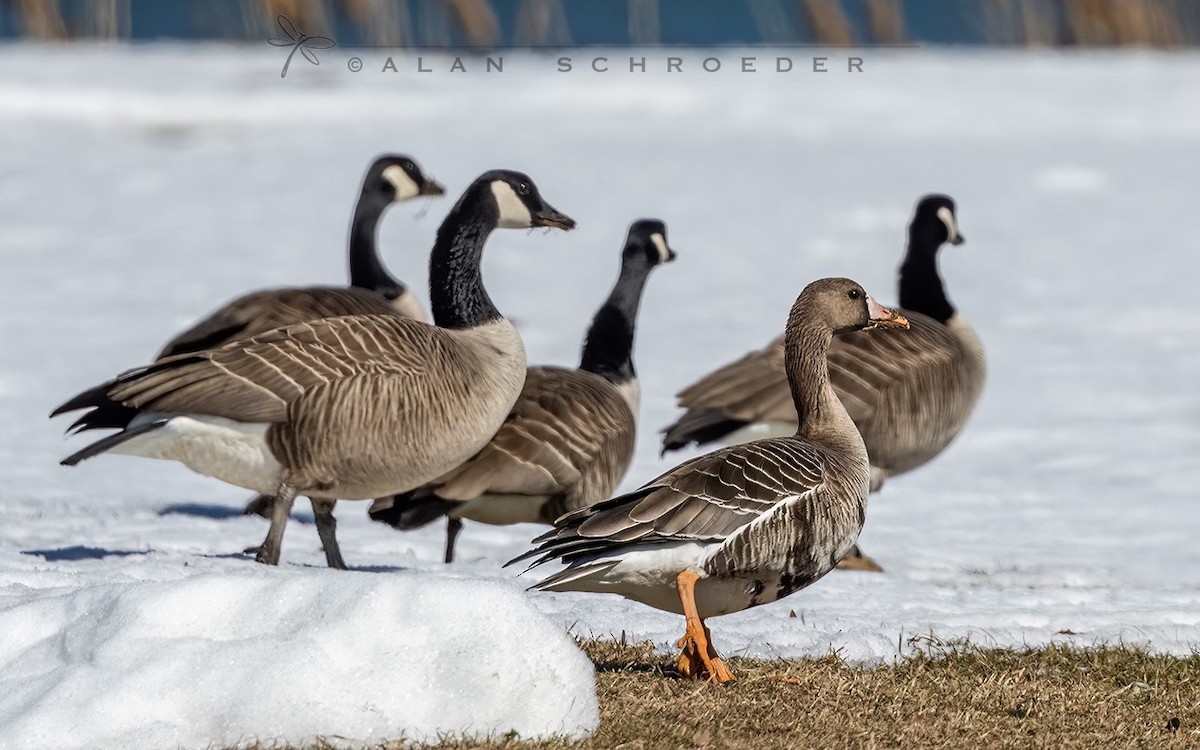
(234, 452)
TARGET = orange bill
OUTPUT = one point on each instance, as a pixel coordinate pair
(884, 317)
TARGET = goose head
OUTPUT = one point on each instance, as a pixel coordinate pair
(646, 244)
(843, 305)
(393, 178)
(515, 202)
(935, 221)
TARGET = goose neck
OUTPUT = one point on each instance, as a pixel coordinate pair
(808, 374)
(921, 288)
(608, 348)
(457, 297)
(366, 269)
(806, 346)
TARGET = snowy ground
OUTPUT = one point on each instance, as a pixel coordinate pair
(139, 189)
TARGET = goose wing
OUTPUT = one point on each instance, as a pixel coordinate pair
(751, 389)
(255, 380)
(868, 369)
(259, 312)
(707, 499)
(563, 420)
(754, 387)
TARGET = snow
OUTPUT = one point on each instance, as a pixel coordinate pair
(139, 188)
(227, 658)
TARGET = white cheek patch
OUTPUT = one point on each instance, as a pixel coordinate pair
(514, 214)
(405, 186)
(947, 218)
(659, 242)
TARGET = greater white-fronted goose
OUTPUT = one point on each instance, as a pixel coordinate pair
(569, 439)
(744, 525)
(392, 178)
(910, 393)
(353, 407)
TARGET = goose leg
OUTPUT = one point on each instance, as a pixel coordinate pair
(453, 529)
(698, 658)
(327, 530)
(856, 560)
(260, 506)
(268, 553)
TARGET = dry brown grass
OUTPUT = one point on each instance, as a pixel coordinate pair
(948, 697)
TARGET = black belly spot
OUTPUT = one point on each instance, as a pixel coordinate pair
(795, 580)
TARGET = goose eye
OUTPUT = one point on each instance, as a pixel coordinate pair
(854, 294)
(523, 188)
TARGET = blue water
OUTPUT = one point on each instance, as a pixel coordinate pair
(681, 22)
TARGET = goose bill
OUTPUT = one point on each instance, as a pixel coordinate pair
(884, 317)
(548, 216)
(432, 187)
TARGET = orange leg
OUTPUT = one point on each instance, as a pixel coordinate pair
(698, 658)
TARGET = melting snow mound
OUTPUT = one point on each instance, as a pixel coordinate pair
(277, 655)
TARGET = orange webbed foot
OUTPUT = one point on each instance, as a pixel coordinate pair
(721, 673)
(697, 659)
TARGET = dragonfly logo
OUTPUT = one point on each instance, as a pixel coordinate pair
(303, 43)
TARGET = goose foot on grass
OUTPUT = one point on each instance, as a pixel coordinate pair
(698, 659)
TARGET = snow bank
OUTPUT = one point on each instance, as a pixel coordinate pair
(227, 659)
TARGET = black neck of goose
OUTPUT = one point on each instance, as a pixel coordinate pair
(806, 346)
(457, 297)
(366, 269)
(921, 287)
(608, 348)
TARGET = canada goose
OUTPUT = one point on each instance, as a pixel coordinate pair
(569, 439)
(373, 291)
(740, 526)
(910, 393)
(354, 407)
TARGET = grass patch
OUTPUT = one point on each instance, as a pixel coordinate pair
(951, 696)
